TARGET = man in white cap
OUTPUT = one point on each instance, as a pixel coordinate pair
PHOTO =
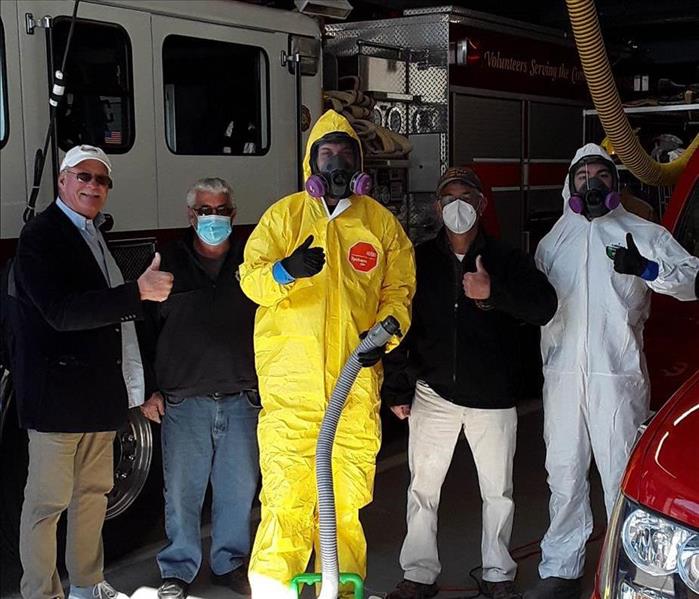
(77, 371)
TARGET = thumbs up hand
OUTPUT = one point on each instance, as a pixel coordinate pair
(629, 261)
(305, 261)
(477, 284)
(154, 284)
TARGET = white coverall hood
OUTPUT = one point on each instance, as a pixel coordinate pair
(595, 381)
(584, 152)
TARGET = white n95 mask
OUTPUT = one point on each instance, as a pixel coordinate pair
(459, 216)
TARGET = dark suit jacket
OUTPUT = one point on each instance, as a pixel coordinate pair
(66, 331)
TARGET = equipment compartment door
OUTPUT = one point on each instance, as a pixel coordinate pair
(224, 107)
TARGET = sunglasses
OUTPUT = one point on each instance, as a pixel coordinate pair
(85, 177)
(206, 210)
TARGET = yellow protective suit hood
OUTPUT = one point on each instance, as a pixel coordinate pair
(304, 332)
(329, 122)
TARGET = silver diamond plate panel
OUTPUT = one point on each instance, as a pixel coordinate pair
(444, 151)
(425, 40)
(430, 10)
(408, 32)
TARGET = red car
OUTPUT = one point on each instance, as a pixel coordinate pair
(651, 550)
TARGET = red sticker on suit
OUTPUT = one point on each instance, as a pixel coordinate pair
(363, 256)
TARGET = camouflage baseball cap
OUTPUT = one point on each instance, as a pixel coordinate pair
(461, 174)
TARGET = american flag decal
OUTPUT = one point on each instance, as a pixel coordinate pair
(112, 137)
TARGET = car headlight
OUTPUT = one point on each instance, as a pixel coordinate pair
(646, 556)
(688, 562)
(653, 543)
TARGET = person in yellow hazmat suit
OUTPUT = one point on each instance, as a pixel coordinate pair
(324, 265)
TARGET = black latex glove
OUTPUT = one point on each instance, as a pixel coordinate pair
(628, 260)
(371, 357)
(304, 261)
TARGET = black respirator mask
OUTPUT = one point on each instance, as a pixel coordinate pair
(338, 174)
(594, 199)
(338, 178)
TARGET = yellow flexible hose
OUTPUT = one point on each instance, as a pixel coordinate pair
(600, 81)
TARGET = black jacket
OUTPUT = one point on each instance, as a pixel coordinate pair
(465, 352)
(199, 340)
(66, 332)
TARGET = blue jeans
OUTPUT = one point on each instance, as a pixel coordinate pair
(206, 438)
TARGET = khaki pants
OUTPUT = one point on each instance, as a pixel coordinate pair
(66, 471)
(435, 424)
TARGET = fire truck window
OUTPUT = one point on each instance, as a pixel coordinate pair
(97, 108)
(216, 97)
(688, 233)
(3, 89)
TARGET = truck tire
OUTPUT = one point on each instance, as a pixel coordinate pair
(135, 507)
(135, 512)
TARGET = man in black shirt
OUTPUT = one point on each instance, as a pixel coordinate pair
(456, 369)
(200, 347)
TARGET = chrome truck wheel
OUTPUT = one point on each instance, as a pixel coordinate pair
(133, 454)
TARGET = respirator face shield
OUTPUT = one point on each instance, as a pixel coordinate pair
(335, 167)
(593, 187)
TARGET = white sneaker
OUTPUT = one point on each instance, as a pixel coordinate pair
(102, 590)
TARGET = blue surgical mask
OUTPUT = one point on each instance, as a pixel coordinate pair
(213, 229)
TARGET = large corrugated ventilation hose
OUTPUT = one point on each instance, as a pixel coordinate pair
(600, 81)
(379, 335)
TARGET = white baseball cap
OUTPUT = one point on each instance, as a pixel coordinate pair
(84, 152)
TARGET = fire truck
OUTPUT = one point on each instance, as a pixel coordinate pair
(173, 91)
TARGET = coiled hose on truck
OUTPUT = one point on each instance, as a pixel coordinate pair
(600, 82)
(379, 335)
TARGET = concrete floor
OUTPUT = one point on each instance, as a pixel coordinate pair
(460, 523)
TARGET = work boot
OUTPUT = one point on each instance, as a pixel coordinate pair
(407, 589)
(236, 580)
(556, 588)
(500, 590)
(173, 588)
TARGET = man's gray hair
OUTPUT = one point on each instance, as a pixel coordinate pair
(212, 185)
